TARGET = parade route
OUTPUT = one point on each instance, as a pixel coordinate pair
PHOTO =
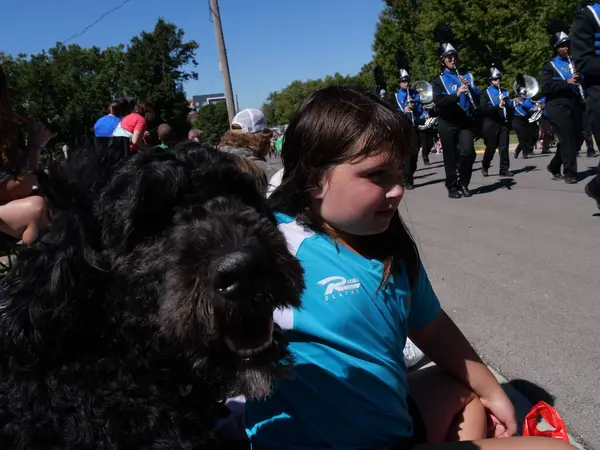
(517, 267)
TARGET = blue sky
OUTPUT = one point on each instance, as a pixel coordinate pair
(270, 43)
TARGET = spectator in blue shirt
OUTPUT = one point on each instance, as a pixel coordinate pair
(105, 126)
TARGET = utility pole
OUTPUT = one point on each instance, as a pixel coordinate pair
(223, 63)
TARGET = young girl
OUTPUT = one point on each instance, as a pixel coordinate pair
(367, 291)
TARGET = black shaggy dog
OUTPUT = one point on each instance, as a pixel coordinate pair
(148, 301)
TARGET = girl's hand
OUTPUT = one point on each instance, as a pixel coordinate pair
(502, 414)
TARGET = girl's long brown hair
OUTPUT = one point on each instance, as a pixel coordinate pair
(322, 134)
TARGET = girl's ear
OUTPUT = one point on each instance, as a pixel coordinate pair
(321, 186)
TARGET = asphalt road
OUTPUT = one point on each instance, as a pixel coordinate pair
(517, 266)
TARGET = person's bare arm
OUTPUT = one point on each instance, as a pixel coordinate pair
(445, 344)
(16, 188)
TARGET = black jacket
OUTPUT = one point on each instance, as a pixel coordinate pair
(557, 92)
(585, 59)
(492, 112)
(447, 106)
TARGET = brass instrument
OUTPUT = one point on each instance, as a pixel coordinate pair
(538, 111)
(425, 91)
(532, 88)
(572, 67)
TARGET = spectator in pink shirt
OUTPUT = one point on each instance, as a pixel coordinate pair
(134, 125)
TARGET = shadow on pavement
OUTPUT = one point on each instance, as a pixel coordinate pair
(425, 175)
(590, 172)
(427, 183)
(506, 183)
(533, 392)
(539, 155)
(432, 166)
(526, 169)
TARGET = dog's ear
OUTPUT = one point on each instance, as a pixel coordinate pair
(215, 173)
(145, 194)
(138, 201)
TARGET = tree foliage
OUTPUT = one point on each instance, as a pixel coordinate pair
(514, 30)
(281, 105)
(70, 87)
(213, 121)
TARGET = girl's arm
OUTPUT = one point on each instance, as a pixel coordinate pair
(445, 344)
(138, 134)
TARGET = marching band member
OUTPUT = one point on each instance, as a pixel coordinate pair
(427, 134)
(409, 102)
(586, 53)
(545, 127)
(495, 108)
(588, 133)
(561, 86)
(523, 108)
(456, 97)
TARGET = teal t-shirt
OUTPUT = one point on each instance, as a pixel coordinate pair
(349, 389)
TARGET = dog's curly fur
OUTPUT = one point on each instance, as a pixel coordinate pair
(112, 330)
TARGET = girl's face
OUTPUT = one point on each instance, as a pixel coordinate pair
(450, 61)
(360, 198)
(563, 50)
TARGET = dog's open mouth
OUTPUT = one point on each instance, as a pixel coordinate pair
(250, 336)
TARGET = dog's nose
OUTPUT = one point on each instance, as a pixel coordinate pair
(234, 272)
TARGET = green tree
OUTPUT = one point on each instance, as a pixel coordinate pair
(69, 87)
(156, 67)
(213, 121)
(280, 106)
(514, 30)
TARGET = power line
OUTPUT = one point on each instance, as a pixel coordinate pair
(107, 13)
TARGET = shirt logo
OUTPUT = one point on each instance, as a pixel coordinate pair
(454, 87)
(337, 286)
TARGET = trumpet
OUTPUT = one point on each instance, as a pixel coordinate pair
(469, 95)
(581, 93)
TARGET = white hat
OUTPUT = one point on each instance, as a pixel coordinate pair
(250, 120)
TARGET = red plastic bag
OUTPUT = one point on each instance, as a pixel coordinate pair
(550, 415)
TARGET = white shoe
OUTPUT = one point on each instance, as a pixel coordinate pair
(412, 353)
